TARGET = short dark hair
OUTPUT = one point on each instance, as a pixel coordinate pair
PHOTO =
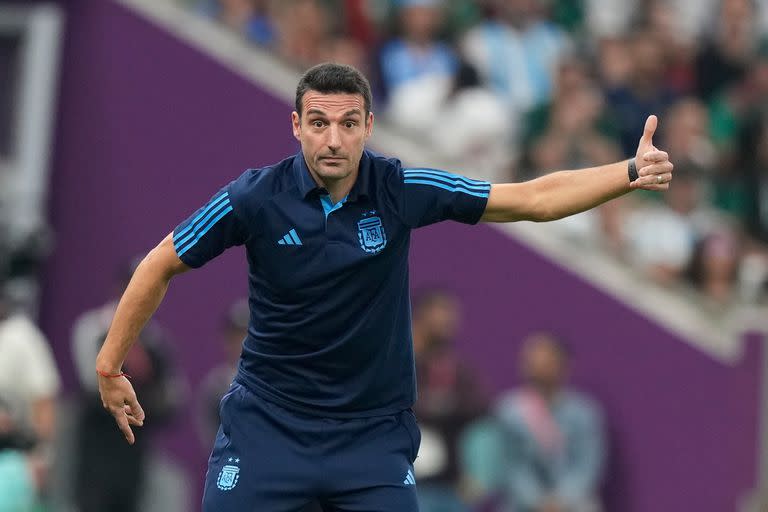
(330, 78)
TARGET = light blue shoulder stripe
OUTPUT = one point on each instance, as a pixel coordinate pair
(456, 188)
(182, 241)
(211, 204)
(204, 231)
(448, 179)
(437, 172)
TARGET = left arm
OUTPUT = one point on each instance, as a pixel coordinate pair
(565, 193)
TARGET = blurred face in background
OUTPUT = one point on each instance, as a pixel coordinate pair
(686, 132)
(686, 195)
(420, 23)
(615, 62)
(332, 129)
(572, 75)
(436, 321)
(736, 28)
(577, 111)
(720, 257)
(518, 12)
(649, 60)
(543, 363)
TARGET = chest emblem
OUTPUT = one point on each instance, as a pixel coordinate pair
(228, 476)
(371, 235)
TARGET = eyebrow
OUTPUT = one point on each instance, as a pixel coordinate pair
(348, 113)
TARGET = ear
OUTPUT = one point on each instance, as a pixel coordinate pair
(369, 125)
(296, 125)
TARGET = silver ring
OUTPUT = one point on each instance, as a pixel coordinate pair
(659, 179)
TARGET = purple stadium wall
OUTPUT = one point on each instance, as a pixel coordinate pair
(148, 129)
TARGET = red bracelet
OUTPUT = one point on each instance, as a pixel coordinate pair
(112, 375)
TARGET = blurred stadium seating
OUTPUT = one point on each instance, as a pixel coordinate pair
(161, 101)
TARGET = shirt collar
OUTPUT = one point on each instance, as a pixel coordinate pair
(307, 185)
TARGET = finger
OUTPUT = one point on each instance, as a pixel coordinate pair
(650, 128)
(132, 419)
(136, 409)
(653, 179)
(656, 156)
(659, 168)
(122, 424)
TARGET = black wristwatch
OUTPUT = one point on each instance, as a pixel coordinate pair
(632, 170)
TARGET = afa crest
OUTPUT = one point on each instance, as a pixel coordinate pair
(371, 235)
(228, 477)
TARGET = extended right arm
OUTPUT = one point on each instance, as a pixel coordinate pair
(138, 303)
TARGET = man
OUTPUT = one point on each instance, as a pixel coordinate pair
(29, 386)
(320, 406)
(555, 436)
(450, 397)
(100, 483)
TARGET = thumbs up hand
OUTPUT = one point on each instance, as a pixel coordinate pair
(653, 166)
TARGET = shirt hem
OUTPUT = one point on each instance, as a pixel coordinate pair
(252, 385)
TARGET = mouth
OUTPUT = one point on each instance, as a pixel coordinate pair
(332, 160)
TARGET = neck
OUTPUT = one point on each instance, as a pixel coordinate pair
(548, 393)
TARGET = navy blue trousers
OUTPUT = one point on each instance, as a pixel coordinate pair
(269, 459)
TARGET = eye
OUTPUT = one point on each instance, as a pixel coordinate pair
(317, 123)
(350, 124)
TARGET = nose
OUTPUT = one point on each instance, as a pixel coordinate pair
(334, 138)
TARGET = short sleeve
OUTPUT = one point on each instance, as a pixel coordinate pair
(210, 230)
(428, 196)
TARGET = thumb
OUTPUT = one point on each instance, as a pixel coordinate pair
(650, 128)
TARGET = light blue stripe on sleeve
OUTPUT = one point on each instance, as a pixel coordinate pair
(456, 188)
(205, 219)
(202, 214)
(205, 230)
(451, 179)
(445, 174)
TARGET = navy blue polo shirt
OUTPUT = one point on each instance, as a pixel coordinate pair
(330, 329)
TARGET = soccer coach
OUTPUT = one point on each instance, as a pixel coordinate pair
(320, 408)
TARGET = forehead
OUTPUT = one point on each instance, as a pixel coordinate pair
(333, 103)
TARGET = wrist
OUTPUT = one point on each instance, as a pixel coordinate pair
(106, 368)
(632, 170)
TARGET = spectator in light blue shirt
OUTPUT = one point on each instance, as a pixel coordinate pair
(554, 435)
(251, 18)
(416, 52)
(517, 52)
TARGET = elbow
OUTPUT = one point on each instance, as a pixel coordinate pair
(162, 261)
(541, 209)
(546, 216)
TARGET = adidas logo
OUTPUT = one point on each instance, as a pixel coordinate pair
(291, 238)
(409, 479)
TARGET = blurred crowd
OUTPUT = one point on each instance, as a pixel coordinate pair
(511, 89)
(89, 467)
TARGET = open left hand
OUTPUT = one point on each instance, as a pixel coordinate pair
(653, 166)
(119, 398)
